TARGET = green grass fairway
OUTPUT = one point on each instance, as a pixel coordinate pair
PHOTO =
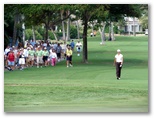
(91, 87)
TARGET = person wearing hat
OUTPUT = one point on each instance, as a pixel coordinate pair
(118, 62)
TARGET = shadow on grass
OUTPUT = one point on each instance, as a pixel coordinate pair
(109, 62)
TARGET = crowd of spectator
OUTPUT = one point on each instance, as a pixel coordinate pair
(39, 54)
(33, 53)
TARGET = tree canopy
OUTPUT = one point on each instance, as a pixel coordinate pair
(50, 15)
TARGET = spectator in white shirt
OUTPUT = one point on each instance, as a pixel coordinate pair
(6, 51)
(78, 47)
(25, 53)
(53, 57)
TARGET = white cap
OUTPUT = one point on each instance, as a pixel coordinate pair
(118, 50)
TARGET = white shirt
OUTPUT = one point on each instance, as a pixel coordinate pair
(64, 48)
(25, 52)
(7, 50)
(50, 52)
(78, 44)
(15, 52)
(45, 44)
(119, 58)
(54, 55)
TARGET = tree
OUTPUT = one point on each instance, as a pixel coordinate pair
(120, 24)
(68, 27)
(48, 14)
(119, 11)
(13, 13)
(102, 33)
(78, 31)
(144, 17)
(88, 12)
(8, 25)
(63, 25)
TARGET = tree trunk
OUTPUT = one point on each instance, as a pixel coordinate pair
(63, 29)
(68, 28)
(78, 32)
(63, 25)
(129, 30)
(112, 32)
(85, 51)
(102, 34)
(33, 30)
(92, 29)
(134, 28)
(23, 33)
(15, 29)
(46, 32)
(54, 34)
(47, 27)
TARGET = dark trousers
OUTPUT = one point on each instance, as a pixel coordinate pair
(118, 69)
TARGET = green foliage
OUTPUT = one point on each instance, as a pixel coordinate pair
(115, 29)
(51, 36)
(118, 11)
(73, 32)
(144, 18)
(50, 15)
(28, 34)
(59, 34)
(38, 35)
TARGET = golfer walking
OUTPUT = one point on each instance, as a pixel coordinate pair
(118, 62)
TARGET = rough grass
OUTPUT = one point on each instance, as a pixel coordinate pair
(88, 87)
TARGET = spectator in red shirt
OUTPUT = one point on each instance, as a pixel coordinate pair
(11, 59)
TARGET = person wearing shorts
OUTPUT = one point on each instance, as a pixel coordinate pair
(39, 56)
(59, 51)
(78, 47)
(31, 56)
(11, 60)
(45, 56)
(69, 57)
(6, 52)
(21, 59)
(25, 52)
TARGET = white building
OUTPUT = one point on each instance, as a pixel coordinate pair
(130, 23)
